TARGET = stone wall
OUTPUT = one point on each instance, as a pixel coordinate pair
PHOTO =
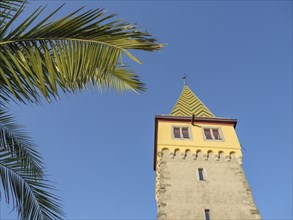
(225, 191)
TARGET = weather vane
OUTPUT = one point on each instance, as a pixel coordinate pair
(184, 78)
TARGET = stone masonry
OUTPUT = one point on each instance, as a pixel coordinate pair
(225, 191)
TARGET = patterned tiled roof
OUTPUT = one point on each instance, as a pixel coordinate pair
(189, 104)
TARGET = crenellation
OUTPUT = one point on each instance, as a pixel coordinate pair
(188, 154)
(199, 154)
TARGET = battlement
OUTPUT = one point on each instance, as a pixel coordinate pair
(200, 154)
(194, 155)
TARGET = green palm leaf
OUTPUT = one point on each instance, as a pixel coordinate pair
(40, 60)
(14, 138)
(120, 74)
(10, 4)
(21, 174)
(67, 54)
(7, 9)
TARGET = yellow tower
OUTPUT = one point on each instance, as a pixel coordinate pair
(198, 164)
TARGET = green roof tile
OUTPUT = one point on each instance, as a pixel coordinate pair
(189, 104)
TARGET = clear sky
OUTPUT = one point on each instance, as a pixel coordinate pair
(98, 147)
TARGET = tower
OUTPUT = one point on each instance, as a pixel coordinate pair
(198, 164)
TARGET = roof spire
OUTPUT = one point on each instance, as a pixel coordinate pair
(184, 78)
(189, 104)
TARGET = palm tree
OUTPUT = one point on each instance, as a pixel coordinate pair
(38, 61)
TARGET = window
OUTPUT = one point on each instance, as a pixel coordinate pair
(185, 132)
(207, 133)
(207, 214)
(177, 133)
(212, 134)
(201, 175)
(216, 134)
(181, 132)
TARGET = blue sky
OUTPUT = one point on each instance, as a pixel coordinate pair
(98, 147)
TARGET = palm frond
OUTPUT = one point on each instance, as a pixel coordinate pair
(130, 81)
(67, 53)
(11, 4)
(33, 199)
(22, 176)
(92, 25)
(13, 138)
(8, 8)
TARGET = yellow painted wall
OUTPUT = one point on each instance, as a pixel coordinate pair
(197, 142)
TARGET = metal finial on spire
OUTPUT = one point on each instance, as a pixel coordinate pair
(184, 78)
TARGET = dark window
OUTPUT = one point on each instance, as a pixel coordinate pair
(216, 134)
(207, 214)
(176, 132)
(185, 132)
(200, 174)
(212, 134)
(181, 132)
(207, 133)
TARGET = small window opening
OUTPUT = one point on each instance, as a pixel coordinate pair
(216, 134)
(212, 134)
(201, 174)
(181, 132)
(185, 132)
(176, 132)
(207, 133)
(207, 214)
